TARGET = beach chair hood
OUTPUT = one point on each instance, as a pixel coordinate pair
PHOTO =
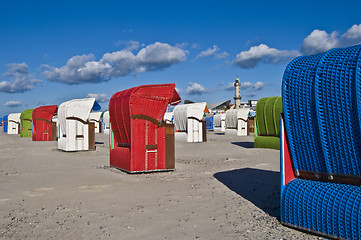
(148, 101)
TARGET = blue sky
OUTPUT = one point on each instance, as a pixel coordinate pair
(53, 51)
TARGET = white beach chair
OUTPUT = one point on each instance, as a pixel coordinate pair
(106, 122)
(14, 123)
(95, 118)
(76, 133)
(188, 118)
(236, 121)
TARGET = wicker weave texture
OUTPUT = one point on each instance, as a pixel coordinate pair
(269, 116)
(277, 110)
(5, 123)
(268, 112)
(135, 117)
(337, 110)
(26, 123)
(209, 122)
(42, 122)
(321, 101)
(327, 208)
(260, 117)
(13, 123)
(300, 113)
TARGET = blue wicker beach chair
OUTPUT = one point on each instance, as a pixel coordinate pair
(209, 122)
(321, 144)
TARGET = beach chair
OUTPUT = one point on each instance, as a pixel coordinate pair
(209, 123)
(189, 118)
(14, 123)
(44, 128)
(320, 144)
(140, 141)
(5, 123)
(76, 132)
(268, 112)
(106, 122)
(219, 122)
(95, 118)
(236, 121)
(26, 123)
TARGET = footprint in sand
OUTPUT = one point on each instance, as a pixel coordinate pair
(38, 192)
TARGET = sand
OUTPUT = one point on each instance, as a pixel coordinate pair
(221, 189)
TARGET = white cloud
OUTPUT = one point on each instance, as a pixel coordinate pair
(83, 69)
(221, 55)
(160, 55)
(263, 54)
(258, 86)
(129, 45)
(195, 89)
(245, 85)
(79, 69)
(195, 45)
(214, 51)
(22, 80)
(12, 104)
(229, 87)
(321, 41)
(182, 45)
(100, 97)
(352, 36)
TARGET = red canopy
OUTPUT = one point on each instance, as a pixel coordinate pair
(147, 101)
(42, 122)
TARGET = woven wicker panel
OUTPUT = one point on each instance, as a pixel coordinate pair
(260, 118)
(120, 115)
(136, 115)
(267, 142)
(300, 113)
(42, 122)
(217, 120)
(269, 116)
(337, 110)
(277, 110)
(209, 122)
(26, 123)
(151, 100)
(5, 123)
(334, 210)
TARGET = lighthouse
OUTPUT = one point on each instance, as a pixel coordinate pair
(237, 94)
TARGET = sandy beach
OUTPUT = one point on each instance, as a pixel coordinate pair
(221, 189)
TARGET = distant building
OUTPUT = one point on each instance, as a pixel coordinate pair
(251, 104)
(219, 107)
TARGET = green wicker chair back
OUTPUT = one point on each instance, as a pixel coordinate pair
(26, 121)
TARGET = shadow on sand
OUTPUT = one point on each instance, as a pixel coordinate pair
(261, 187)
(244, 144)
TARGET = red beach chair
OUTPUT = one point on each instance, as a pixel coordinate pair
(44, 127)
(140, 140)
